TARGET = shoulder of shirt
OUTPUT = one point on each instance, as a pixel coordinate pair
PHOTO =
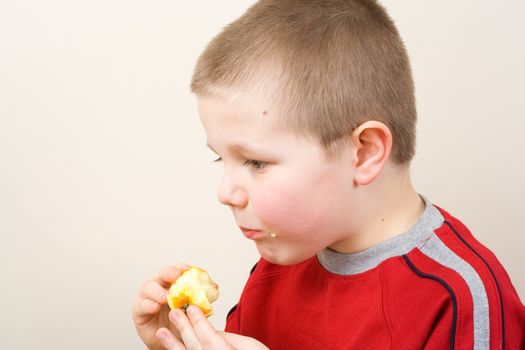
(479, 289)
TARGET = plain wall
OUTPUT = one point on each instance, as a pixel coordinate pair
(105, 176)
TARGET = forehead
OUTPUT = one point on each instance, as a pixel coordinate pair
(219, 114)
(255, 128)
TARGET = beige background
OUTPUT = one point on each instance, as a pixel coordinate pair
(105, 176)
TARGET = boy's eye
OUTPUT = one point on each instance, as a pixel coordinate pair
(255, 164)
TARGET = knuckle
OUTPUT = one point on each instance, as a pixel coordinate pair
(168, 275)
(145, 285)
(144, 289)
(144, 306)
(182, 266)
(152, 290)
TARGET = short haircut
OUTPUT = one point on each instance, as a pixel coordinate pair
(324, 67)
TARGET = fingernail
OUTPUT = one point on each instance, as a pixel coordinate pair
(191, 309)
(174, 316)
(162, 336)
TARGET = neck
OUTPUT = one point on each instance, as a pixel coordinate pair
(386, 208)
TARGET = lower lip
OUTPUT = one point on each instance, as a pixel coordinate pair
(253, 234)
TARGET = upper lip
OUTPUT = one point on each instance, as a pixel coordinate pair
(247, 229)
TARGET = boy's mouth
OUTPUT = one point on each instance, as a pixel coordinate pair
(253, 234)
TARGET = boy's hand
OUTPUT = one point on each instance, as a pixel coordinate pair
(150, 309)
(198, 334)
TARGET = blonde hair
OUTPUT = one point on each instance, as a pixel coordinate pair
(324, 67)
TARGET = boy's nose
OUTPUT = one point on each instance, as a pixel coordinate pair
(231, 194)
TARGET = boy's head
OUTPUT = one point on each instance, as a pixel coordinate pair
(303, 101)
(322, 68)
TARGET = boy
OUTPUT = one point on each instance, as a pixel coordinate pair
(310, 106)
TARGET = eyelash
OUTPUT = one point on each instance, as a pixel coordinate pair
(257, 164)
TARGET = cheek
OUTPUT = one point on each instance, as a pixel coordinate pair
(271, 206)
(299, 205)
(289, 209)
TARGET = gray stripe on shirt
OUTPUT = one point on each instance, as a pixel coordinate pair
(435, 249)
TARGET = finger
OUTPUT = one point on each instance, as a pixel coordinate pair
(169, 274)
(152, 290)
(185, 328)
(168, 340)
(146, 308)
(207, 335)
(241, 342)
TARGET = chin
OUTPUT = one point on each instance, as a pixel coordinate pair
(282, 258)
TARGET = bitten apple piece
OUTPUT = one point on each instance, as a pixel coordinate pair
(196, 287)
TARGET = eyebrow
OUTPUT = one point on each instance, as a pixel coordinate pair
(237, 147)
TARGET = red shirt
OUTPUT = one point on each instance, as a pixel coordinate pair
(434, 287)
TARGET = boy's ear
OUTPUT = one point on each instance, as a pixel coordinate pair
(372, 143)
